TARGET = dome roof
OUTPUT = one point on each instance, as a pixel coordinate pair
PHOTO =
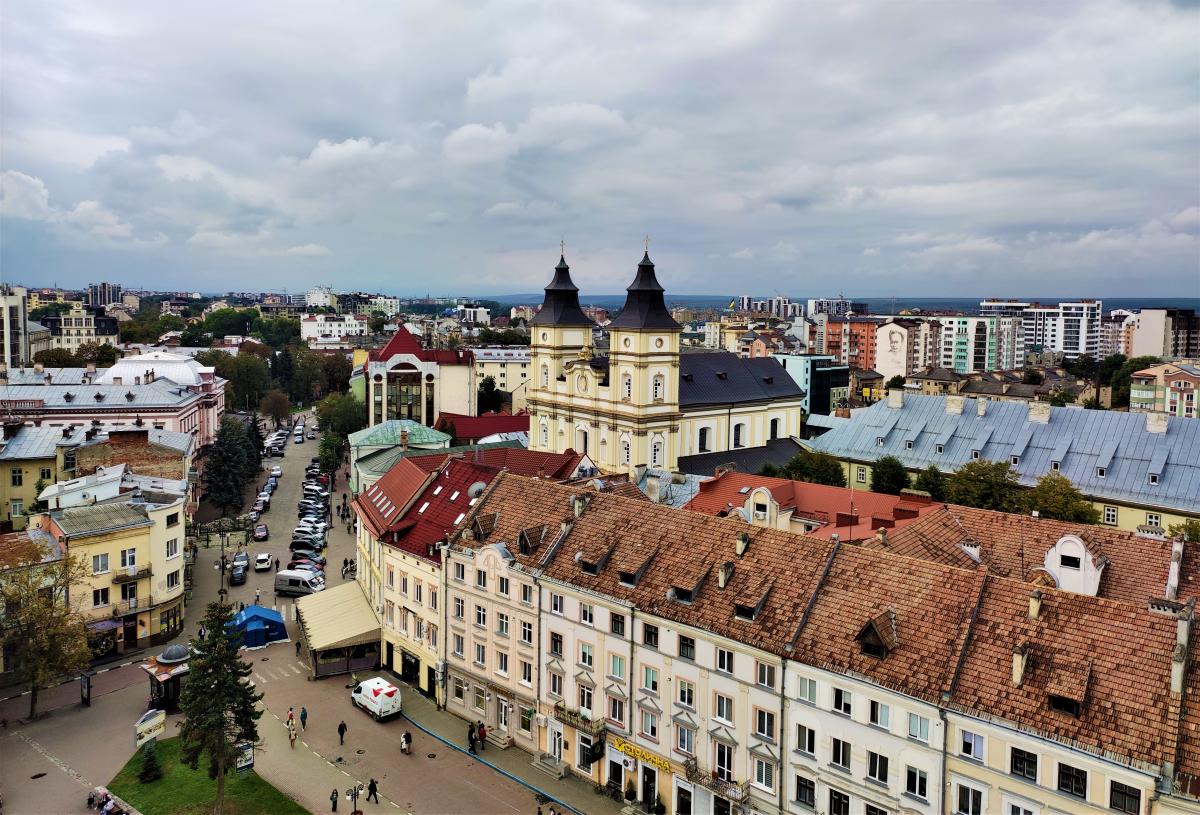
(174, 654)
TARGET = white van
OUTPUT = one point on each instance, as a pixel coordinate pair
(378, 697)
(297, 583)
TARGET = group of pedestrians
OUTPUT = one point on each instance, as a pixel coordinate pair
(476, 734)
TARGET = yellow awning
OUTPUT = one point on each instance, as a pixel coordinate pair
(337, 617)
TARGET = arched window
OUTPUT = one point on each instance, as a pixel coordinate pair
(774, 428)
(738, 433)
(626, 387)
(545, 435)
(581, 440)
(656, 453)
(658, 387)
(625, 451)
(703, 440)
(545, 375)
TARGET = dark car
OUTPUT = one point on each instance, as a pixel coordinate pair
(237, 575)
(261, 532)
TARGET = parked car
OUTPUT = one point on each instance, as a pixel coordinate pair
(305, 554)
(260, 506)
(237, 575)
(254, 515)
(276, 471)
(314, 539)
(299, 439)
(265, 497)
(261, 532)
(309, 567)
(263, 562)
(312, 525)
(297, 583)
(317, 559)
(241, 558)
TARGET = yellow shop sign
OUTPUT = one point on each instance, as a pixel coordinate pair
(641, 754)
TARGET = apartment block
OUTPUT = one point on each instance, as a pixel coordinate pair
(80, 326)
(971, 344)
(1070, 328)
(507, 365)
(1168, 333)
(905, 346)
(1169, 388)
(14, 327)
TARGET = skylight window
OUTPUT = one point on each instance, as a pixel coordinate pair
(424, 507)
(453, 495)
(461, 515)
(437, 490)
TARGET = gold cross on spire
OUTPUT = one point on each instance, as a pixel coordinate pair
(646, 243)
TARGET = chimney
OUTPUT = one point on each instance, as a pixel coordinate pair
(980, 407)
(954, 405)
(91, 368)
(578, 505)
(1035, 604)
(1039, 412)
(1020, 660)
(404, 440)
(639, 472)
(653, 489)
(895, 398)
(1156, 422)
(724, 575)
(37, 368)
(564, 528)
(49, 379)
(67, 432)
(1179, 658)
(541, 470)
(743, 542)
(881, 536)
(1173, 572)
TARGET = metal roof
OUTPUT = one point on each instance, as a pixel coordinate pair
(98, 519)
(388, 433)
(39, 442)
(158, 393)
(1079, 440)
(723, 378)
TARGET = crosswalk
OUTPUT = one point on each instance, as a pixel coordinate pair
(264, 674)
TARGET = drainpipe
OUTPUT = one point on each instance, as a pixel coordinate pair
(537, 686)
(443, 616)
(945, 740)
(783, 730)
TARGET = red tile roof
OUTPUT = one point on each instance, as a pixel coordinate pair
(555, 466)
(402, 342)
(466, 429)
(440, 506)
(381, 504)
(852, 514)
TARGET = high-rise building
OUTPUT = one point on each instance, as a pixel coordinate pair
(905, 346)
(982, 343)
(1069, 328)
(14, 326)
(101, 294)
(1169, 333)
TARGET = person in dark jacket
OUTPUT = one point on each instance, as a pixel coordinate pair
(342, 732)
(373, 791)
(471, 739)
(333, 796)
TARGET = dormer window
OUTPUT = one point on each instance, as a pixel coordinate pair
(742, 612)
(1069, 561)
(908, 445)
(1101, 472)
(1055, 466)
(760, 512)
(1064, 705)
(1014, 460)
(682, 595)
(878, 637)
(627, 578)
(722, 375)
(975, 455)
(879, 441)
(941, 448)
(1152, 479)
(589, 568)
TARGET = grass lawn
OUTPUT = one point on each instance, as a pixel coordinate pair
(192, 792)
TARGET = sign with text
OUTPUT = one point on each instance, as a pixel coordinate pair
(641, 754)
(149, 727)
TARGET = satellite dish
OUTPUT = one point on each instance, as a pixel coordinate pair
(476, 489)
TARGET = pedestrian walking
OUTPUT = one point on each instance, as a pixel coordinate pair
(333, 796)
(291, 717)
(373, 790)
(303, 718)
(471, 739)
(297, 647)
(406, 743)
(292, 734)
(201, 634)
(257, 596)
(481, 732)
(276, 564)
(345, 564)
(342, 732)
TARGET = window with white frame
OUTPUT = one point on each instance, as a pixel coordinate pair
(480, 654)
(916, 783)
(585, 698)
(586, 614)
(586, 658)
(685, 739)
(459, 608)
(860, 475)
(173, 580)
(526, 672)
(1110, 515)
(723, 760)
(172, 548)
(766, 674)
(840, 755)
(877, 767)
(616, 709)
(502, 624)
(841, 701)
(650, 678)
(502, 587)
(723, 707)
(556, 604)
(556, 684)
(725, 660)
(527, 594)
(526, 632)
(687, 693)
(481, 579)
(100, 563)
(971, 745)
(806, 792)
(918, 727)
(764, 774)
(968, 800)
(460, 572)
(649, 724)
(616, 666)
(881, 714)
(806, 739)
(481, 616)
(502, 663)
(806, 690)
(764, 724)
(128, 558)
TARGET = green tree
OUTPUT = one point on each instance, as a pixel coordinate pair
(376, 322)
(194, 336)
(341, 414)
(101, 355)
(986, 485)
(490, 397)
(1108, 368)
(1054, 496)
(337, 372)
(277, 332)
(815, 467)
(1061, 397)
(230, 467)
(889, 476)
(275, 406)
(308, 378)
(49, 310)
(248, 377)
(45, 631)
(896, 382)
(57, 358)
(1121, 379)
(283, 369)
(1083, 367)
(1032, 376)
(932, 481)
(219, 704)
(151, 770)
(226, 322)
(1189, 530)
(330, 452)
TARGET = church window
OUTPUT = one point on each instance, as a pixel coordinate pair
(545, 435)
(625, 452)
(704, 440)
(774, 428)
(656, 453)
(658, 387)
(739, 431)
(626, 387)
(545, 376)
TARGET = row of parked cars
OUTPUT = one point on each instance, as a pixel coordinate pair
(305, 573)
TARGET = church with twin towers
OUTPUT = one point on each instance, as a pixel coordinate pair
(646, 402)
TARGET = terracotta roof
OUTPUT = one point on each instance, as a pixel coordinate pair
(1015, 545)
(381, 504)
(442, 503)
(404, 343)
(476, 427)
(1126, 710)
(1187, 777)
(852, 514)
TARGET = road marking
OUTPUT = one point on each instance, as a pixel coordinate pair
(259, 676)
(295, 670)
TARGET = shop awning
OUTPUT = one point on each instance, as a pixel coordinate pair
(337, 618)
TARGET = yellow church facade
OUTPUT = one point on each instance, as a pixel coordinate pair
(646, 403)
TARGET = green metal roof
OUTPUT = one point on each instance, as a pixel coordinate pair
(381, 461)
(387, 434)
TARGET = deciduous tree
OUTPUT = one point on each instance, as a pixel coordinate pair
(986, 485)
(490, 398)
(932, 481)
(57, 358)
(889, 476)
(1054, 496)
(896, 381)
(219, 705)
(275, 406)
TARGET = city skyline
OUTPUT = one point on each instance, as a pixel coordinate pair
(1053, 147)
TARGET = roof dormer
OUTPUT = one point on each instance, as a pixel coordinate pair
(1068, 686)
(879, 637)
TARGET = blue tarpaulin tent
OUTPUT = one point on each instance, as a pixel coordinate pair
(258, 626)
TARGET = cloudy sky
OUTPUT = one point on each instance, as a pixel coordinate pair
(805, 148)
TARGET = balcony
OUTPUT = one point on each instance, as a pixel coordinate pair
(131, 575)
(122, 607)
(578, 720)
(736, 793)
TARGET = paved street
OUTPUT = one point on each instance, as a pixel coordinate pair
(77, 747)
